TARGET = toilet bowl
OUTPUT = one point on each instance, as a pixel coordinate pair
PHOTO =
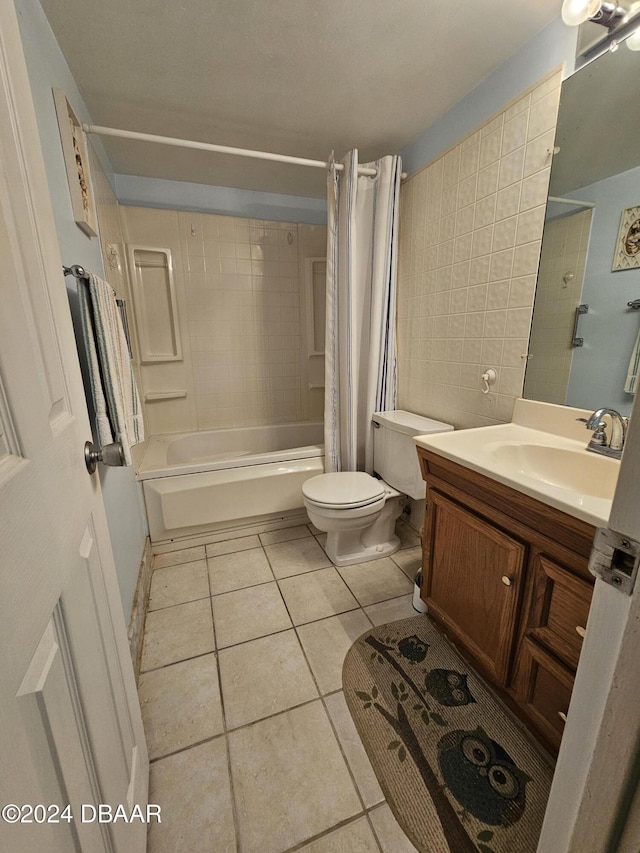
(358, 511)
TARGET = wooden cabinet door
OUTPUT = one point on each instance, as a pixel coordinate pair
(472, 578)
(543, 688)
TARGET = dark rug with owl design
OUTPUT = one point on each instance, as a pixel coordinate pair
(458, 772)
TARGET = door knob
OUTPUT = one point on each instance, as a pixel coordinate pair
(506, 581)
(110, 454)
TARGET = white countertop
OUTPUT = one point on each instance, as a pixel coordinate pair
(541, 453)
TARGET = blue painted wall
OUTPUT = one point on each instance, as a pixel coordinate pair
(553, 46)
(610, 329)
(178, 195)
(47, 68)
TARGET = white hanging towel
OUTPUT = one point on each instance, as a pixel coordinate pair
(115, 395)
(634, 367)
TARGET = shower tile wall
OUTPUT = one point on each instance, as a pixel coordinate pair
(238, 286)
(111, 237)
(470, 231)
(560, 280)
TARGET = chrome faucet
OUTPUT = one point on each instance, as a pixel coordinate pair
(599, 443)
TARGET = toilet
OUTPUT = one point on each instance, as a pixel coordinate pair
(358, 511)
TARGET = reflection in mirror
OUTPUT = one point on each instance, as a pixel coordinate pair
(588, 357)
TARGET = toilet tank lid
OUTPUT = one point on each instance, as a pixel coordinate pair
(409, 423)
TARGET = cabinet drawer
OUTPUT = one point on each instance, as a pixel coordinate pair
(543, 688)
(559, 611)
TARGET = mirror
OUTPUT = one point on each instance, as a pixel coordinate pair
(586, 357)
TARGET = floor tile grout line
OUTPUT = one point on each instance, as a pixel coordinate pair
(313, 838)
(216, 649)
(372, 827)
(339, 743)
(235, 729)
(278, 580)
(240, 588)
(180, 660)
(187, 747)
(293, 538)
(320, 618)
(352, 819)
(177, 603)
(206, 556)
(326, 710)
(255, 639)
(307, 702)
(232, 795)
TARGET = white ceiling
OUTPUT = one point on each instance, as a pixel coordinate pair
(298, 77)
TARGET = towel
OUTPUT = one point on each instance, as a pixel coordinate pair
(115, 395)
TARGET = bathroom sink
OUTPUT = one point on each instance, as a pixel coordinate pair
(541, 453)
(559, 467)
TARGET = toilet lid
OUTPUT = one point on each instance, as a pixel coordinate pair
(343, 489)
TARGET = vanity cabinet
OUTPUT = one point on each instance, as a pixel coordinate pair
(506, 577)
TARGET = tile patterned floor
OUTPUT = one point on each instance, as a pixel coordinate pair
(252, 746)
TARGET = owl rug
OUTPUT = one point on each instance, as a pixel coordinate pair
(458, 773)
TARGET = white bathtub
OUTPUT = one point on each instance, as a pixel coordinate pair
(203, 482)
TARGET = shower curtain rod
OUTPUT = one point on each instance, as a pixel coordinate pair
(220, 149)
(572, 201)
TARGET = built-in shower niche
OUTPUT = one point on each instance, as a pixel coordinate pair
(155, 305)
(316, 290)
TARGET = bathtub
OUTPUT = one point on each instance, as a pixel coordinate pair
(200, 483)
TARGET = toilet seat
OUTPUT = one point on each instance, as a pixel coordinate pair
(343, 490)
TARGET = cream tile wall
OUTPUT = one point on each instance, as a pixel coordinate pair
(111, 237)
(238, 290)
(470, 231)
(560, 280)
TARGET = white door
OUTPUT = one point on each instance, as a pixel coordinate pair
(595, 794)
(70, 726)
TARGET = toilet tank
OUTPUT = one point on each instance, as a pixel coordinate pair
(395, 458)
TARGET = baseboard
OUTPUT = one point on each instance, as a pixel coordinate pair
(244, 527)
(139, 607)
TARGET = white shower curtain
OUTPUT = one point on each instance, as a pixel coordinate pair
(360, 348)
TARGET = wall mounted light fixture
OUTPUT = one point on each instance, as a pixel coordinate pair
(623, 24)
(575, 12)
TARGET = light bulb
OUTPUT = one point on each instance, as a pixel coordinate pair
(633, 41)
(575, 12)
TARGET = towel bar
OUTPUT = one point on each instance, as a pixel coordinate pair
(575, 340)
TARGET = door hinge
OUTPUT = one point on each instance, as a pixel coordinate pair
(615, 559)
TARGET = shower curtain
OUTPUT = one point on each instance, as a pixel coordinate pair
(360, 348)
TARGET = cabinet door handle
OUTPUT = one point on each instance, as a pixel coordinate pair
(562, 716)
(580, 631)
(506, 581)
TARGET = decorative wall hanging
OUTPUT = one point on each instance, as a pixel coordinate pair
(627, 255)
(76, 161)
